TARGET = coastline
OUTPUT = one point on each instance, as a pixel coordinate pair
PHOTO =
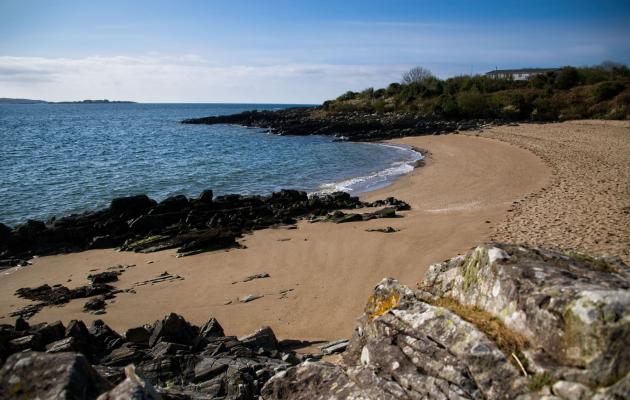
(329, 268)
(363, 184)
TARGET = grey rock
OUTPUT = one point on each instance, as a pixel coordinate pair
(139, 335)
(574, 310)
(34, 375)
(570, 314)
(173, 328)
(28, 342)
(571, 390)
(250, 297)
(63, 345)
(335, 347)
(124, 355)
(263, 337)
(388, 229)
(50, 332)
(134, 387)
(95, 303)
(211, 329)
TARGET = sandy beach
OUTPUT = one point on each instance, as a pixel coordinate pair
(586, 206)
(472, 189)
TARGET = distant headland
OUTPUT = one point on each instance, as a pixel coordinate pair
(5, 100)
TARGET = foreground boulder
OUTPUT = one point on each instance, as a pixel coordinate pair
(60, 376)
(502, 322)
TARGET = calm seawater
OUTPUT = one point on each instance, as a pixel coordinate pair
(57, 159)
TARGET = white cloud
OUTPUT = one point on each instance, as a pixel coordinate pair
(183, 78)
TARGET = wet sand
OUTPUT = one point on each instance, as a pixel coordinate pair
(459, 199)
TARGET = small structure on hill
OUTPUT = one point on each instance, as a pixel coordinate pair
(522, 74)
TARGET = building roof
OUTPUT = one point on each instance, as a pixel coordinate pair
(521, 71)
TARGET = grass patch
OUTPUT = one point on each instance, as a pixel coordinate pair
(506, 339)
(538, 381)
(597, 263)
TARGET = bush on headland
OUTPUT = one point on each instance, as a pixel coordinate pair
(601, 91)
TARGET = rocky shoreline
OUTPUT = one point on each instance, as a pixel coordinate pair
(207, 223)
(355, 125)
(501, 322)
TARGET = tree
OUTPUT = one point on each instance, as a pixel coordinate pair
(416, 74)
(567, 78)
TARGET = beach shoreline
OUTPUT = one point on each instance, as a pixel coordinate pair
(320, 273)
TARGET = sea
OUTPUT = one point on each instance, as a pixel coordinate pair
(59, 159)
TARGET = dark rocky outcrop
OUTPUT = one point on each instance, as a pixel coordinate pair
(502, 322)
(140, 224)
(171, 360)
(61, 294)
(355, 125)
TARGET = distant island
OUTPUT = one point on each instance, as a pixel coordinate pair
(5, 100)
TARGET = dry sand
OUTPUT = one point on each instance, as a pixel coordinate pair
(586, 207)
(458, 199)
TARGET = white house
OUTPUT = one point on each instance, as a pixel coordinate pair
(522, 74)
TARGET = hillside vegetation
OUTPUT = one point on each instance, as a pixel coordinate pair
(601, 91)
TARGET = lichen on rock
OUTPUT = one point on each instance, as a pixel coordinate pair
(501, 322)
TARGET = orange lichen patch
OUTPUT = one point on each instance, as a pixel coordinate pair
(378, 306)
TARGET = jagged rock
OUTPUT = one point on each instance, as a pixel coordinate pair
(389, 229)
(211, 329)
(341, 217)
(103, 336)
(28, 311)
(263, 337)
(28, 342)
(211, 366)
(50, 376)
(174, 328)
(336, 346)
(574, 310)
(358, 126)
(123, 355)
(398, 205)
(132, 205)
(206, 196)
(139, 336)
(104, 277)
(50, 332)
(571, 390)
(255, 276)
(134, 387)
(83, 340)
(250, 297)
(477, 326)
(61, 295)
(21, 324)
(96, 303)
(140, 224)
(63, 345)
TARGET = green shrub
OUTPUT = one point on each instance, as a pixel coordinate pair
(349, 95)
(601, 91)
(607, 90)
(393, 89)
(472, 104)
(545, 109)
(567, 78)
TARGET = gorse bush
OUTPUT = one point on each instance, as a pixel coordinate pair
(601, 91)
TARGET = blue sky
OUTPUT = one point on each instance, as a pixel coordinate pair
(286, 51)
